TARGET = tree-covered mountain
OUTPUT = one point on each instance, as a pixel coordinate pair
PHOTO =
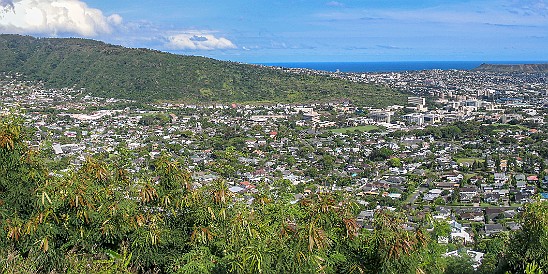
(142, 74)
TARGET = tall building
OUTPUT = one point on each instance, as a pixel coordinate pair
(416, 101)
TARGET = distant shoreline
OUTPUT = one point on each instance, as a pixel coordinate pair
(394, 66)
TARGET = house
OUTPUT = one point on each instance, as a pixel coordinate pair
(472, 216)
(396, 179)
(365, 216)
(513, 226)
(523, 197)
(432, 194)
(236, 189)
(468, 193)
(520, 178)
(395, 196)
(458, 231)
(491, 229)
(442, 213)
(447, 185)
(247, 185)
(533, 179)
(492, 198)
(204, 178)
(422, 172)
(498, 185)
(530, 189)
(487, 188)
(497, 213)
(521, 184)
(455, 178)
(57, 149)
(500, 177)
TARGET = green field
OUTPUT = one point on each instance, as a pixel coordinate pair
(360, 128)
(508, 126)
(469, 160)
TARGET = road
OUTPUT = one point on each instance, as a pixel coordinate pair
(413, 197)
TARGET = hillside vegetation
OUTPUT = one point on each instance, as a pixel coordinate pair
(141, 74)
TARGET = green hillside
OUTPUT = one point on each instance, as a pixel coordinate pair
(142, 74)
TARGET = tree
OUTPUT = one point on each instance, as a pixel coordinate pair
(389, 248)
(441, 229)
(395, 162)
(497, 163)
(381, 154)
(530, 244)
(495, 248)
(459, 264)
(439, 201)
(20, 170)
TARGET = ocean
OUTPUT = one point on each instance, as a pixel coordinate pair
(393, 66)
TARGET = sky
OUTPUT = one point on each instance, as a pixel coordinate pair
(255, 31)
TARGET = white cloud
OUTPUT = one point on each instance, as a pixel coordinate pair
(198, 40)
(7, 4)
(115, 19)
(51, 17)
(335, 4)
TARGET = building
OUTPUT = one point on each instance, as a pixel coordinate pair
(414, 118)
(431, 118)
(381, 116)
(416, 101)
(57, 149)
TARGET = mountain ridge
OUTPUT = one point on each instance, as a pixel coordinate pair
(142, 74)
(528, 68)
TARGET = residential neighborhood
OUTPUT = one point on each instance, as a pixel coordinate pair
(468, 149)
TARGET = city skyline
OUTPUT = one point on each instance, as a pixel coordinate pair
(297, 31)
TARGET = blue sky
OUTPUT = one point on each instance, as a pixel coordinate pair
(298, 30)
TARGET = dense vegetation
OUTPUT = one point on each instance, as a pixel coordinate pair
(102, 218)
(142, 74)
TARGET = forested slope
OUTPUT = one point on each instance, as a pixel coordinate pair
(141, 74)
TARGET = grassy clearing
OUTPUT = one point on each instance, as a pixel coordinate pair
(506, 126)
(360, 128)
(469, 160)
(469, 175)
